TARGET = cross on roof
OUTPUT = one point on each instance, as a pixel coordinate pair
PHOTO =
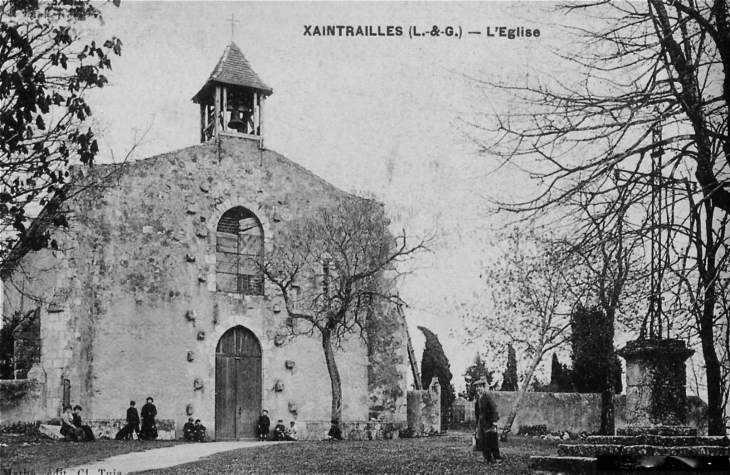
(233, 21)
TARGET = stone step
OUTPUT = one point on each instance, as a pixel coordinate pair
(660, 440)
(658, 430)
(624, 472)
(588, 450)
(542, 465)
(693, 451)
(572, 465)
(594, 450)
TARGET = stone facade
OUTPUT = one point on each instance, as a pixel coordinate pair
(129, 306)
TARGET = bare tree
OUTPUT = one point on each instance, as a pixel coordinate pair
(530, 305)
(640, 66)
(335, 269)
(702, 276)
(605, 251)
(642, 63)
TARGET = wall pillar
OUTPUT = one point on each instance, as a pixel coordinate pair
(655, 382)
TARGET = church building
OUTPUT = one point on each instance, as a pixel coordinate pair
(149, 291)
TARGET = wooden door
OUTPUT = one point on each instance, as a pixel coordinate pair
(237, 384)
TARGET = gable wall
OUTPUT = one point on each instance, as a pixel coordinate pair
(136, 283)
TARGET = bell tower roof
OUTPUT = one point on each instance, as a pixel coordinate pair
(232, 100)
(233, 69)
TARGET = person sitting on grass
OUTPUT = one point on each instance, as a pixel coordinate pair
(335, 433)
(88, 433)
(199, 432)
(263, 426)
(189, 429)
(291, 432)
(279, 431)
(68, 429)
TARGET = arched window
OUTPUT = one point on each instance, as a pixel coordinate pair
(239, 246)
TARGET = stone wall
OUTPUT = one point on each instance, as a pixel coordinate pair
(388, 365)
(568, 411)
(317, 430)
(130, 307)
(21, 400)
(108, 428)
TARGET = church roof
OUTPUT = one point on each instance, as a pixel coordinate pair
(233, 69)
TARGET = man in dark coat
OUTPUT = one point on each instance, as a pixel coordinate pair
(132, 427)
(132, 420)
(487, 415)
(88, 432)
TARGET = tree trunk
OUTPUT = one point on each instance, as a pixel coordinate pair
(335, 381)
(713, 369)
(608, 426)
(520, 395)
(608, 420)
(715, 422)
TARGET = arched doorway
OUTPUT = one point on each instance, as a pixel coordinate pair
(237, 384)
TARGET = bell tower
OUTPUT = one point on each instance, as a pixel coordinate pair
(232, 100)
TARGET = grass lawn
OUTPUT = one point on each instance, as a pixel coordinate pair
(448, 454)
(34, 453)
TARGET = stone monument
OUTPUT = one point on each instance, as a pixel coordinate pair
(655, 383)
(656, 396)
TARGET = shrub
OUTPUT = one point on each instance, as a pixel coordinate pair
(536, 430)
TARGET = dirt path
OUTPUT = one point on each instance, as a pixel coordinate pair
(160, 458)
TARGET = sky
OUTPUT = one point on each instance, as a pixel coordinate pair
(388, 116)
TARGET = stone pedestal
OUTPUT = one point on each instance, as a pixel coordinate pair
(656, 401)
(655, 382)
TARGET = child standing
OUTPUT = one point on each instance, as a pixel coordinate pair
(263, 426)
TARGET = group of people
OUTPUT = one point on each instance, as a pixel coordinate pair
(485, 410)
(149, 425)
(72, 427)
(487, 415)
(194, 432)
(281, 432)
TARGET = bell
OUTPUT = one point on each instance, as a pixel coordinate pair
(238, 122)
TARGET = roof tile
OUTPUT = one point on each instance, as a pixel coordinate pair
(233, 68)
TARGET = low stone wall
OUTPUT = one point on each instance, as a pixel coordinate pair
(315, 430)
(21, 400)
(108, 428)
(571, 412)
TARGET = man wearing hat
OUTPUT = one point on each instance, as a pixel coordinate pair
(487, 415)
(149, 427)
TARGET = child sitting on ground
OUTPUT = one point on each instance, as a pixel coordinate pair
(189, 429)
(279, 431)
(291, 432)
(199, 433)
